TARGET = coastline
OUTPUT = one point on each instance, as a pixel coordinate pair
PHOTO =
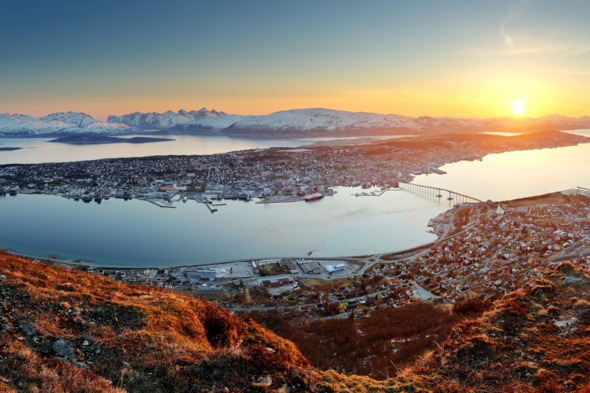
(381, 257)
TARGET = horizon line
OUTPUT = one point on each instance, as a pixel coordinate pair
(301, 109)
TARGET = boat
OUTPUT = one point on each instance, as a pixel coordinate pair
(98, 197)
(125, 195)
(242, 196)
(313, 197)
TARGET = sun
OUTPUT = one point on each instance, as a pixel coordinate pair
(518, 107)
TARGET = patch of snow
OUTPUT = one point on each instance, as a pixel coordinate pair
(62, 122)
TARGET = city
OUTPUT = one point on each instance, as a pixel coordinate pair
(285, 174)
(483, 249)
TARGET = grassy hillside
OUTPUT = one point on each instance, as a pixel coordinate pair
(63, 330)
(68, 331)
(535, 339)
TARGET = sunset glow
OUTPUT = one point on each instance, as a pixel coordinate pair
(462, 59)
(518, 107)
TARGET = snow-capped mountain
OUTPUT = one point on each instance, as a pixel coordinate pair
(289, 120)
(162, 121)
(57, 124)
(323, 119)
(296, 122)
(319, 121)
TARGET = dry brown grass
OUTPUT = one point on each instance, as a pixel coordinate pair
(117, 335)
(67, 331)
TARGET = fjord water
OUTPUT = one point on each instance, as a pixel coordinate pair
(40, 150)
(517, 174)
(137, 233)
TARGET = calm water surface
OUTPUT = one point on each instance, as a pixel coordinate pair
(517, 174)
(139, 233)
(38, 150)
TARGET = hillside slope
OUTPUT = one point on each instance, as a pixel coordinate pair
(65, 331)
(535, 339)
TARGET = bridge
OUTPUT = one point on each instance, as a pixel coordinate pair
(437, 192)
(578, 191)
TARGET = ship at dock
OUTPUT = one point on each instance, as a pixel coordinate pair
(313, 197)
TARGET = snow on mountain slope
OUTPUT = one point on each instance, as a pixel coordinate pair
(56, 123)
(315, 121)
(328, 119)
(161, 121)
(79, 119)
(296, 119)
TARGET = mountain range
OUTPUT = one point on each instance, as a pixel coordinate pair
(296, 122)
(57, 124)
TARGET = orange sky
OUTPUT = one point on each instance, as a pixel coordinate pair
(460, 59)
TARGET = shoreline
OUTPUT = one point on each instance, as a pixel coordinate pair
(82, 263)
(389, 255)
(93, 265)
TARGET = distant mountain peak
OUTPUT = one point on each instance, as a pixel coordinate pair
(318, 121)
(57, 124)
(290, 122)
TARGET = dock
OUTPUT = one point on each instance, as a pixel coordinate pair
(207, 203)
(160, 203)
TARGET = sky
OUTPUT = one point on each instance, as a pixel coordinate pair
(471, 58)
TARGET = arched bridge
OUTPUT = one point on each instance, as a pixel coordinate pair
(437, 192)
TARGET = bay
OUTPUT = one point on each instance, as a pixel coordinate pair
(517, 174)
(137, 233)
(40, 150)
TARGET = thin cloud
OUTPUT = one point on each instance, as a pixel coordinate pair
(519, 47)
(521, 41)
(563, 43)
(507, 37)
(513, 11)
(574, 71)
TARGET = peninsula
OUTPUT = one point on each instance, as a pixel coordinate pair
(285, 172)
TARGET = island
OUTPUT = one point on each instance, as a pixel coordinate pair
(92, 139)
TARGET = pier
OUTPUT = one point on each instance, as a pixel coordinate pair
(206, 202)
(438, 193)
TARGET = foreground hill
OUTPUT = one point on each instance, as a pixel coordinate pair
(535, 339)
(66, 331)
